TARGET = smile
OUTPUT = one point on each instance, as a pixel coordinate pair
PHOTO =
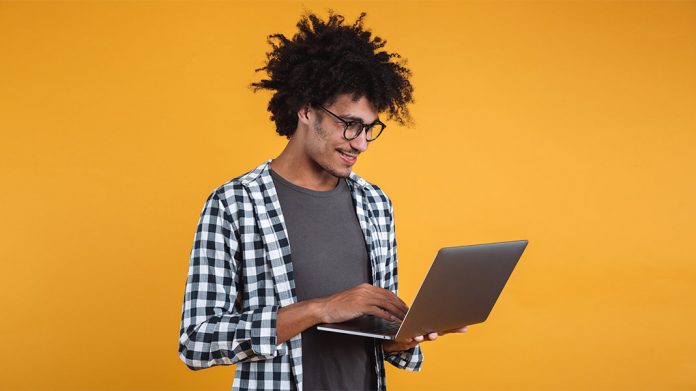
(348, 158)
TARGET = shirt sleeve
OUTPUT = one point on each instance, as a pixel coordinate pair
(408, 359)
(213, 332)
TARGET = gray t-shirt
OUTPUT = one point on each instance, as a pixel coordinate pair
(329, 255)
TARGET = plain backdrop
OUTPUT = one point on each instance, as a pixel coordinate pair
(570, 124)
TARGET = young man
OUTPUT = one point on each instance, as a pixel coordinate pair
(301, 239)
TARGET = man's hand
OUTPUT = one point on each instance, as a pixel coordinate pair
(364, 299)
(342, 306)
(397, 346)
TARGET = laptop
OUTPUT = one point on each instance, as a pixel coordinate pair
(460, 289)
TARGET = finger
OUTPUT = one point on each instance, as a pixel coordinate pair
(459, 330)
(432, 336)
(390, 297)
(418, 338)
(392, 309)
(387, 306)
(390, 314)
(399, 305)
(379, 312)
(397, 301)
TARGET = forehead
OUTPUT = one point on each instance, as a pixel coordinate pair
(355, 110)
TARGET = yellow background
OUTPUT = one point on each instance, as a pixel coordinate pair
(570, 124)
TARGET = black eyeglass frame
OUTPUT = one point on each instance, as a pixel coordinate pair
(364, 127)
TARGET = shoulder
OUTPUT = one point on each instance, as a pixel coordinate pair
(230, 192)
(234, 194)
(376, 197)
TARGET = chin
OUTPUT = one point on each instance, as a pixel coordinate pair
(338, 172)
(341, 174)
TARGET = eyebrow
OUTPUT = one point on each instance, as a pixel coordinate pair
(354, 118)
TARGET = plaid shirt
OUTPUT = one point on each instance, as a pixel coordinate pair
(240, 273)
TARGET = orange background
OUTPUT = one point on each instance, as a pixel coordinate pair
(570, 124)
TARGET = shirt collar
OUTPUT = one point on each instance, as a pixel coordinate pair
(264, 170)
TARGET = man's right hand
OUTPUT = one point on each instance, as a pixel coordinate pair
(364, 299)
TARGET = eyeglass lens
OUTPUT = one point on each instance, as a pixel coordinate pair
(354, 128)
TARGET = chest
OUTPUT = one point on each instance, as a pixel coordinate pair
(269, 254)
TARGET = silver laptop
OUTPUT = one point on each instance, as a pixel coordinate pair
(460, 289)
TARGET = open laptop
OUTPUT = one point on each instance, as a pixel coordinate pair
(460, 289)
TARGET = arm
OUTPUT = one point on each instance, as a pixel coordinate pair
(212, 330)
(297, 318)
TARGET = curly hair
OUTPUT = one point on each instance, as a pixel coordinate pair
(326, 59)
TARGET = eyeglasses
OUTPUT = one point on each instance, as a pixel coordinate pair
(352, 129)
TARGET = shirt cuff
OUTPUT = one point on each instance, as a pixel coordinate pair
(409, 360)
(263, 331)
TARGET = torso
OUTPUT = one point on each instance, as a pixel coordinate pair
(329, 255)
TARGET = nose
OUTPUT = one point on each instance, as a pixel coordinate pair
(360, 143)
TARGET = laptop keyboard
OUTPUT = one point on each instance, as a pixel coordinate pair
(386, 327)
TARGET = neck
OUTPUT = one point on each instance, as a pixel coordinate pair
(296, 167)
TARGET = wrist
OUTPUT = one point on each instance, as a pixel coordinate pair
(389, 347)
(397, 347)
(316, 311)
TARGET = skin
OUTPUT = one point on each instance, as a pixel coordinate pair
(312, 159)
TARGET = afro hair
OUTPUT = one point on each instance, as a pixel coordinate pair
(326, 59)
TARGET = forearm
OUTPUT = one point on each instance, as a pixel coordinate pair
(228, 338)
(296, 318)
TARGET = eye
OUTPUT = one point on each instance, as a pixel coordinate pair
(354, 124)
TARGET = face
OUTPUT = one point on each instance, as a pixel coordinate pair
(325, 144)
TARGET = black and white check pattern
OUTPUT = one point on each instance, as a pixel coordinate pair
(240, 273)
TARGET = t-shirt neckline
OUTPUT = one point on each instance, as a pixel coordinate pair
(341, 185)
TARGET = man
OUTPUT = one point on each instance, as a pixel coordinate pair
(301, 239)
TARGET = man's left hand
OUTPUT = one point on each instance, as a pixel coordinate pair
(397, 346)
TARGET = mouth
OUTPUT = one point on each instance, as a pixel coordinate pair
(348, 158)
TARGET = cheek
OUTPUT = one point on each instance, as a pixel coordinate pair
(320, 149)
(323, 144)
(329, 154)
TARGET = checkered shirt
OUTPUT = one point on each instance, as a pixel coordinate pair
(240, 273)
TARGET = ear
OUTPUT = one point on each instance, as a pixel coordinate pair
(303, 114)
